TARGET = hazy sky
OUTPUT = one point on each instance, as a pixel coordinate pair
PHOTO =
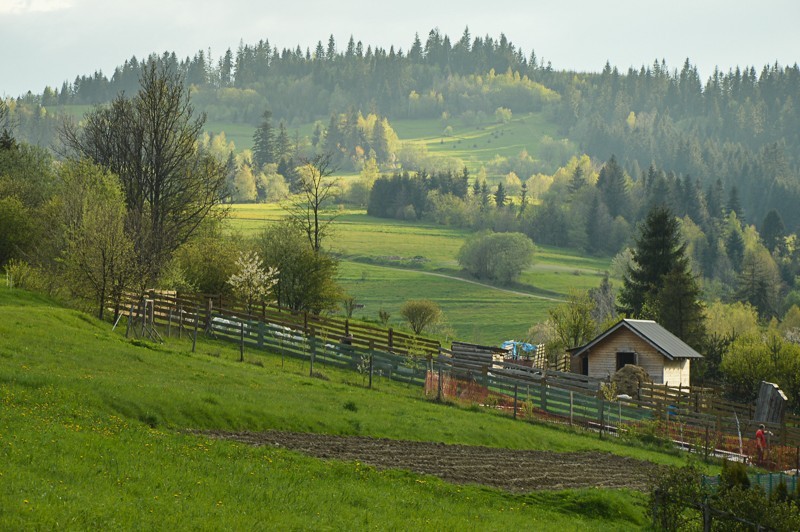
(44, 42)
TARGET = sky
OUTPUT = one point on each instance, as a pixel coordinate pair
(45, 42)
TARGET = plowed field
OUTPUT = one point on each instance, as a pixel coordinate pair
(511, 470)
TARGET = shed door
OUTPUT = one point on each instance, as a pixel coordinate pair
(625, 357)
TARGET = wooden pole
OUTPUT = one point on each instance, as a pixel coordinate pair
(169, 323)
(370, 368)
(602, 421)
(571, 406)
(144, 315)
(515, 400)
(241, 341)
(196, 323)
(439, 385)
(312, 340)
(180, 321)
(128, 325)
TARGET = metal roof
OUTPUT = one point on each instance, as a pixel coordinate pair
(664, 341)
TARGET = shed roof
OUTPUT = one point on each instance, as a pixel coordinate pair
(664, 341)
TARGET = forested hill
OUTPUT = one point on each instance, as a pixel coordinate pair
(741, 127)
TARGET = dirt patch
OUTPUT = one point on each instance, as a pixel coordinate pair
(516, 471)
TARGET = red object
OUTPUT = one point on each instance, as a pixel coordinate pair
(761, 439)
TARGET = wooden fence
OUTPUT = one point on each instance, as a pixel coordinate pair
(165, 304)
(687, 414)
(693, 417)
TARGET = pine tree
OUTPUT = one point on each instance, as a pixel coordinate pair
(484, 195)
(612, 185)
(500, 196)
(577, 181)
(658, 251)
(772, 229)
(678, 308)
(660, 285)
(264, 141)
(283, 145)
(734, 205)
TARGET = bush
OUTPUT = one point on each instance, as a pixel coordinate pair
(421, 314)
(496, 256)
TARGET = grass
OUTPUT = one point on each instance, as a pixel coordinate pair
(386, 262)
(477, 145)
(93, 434)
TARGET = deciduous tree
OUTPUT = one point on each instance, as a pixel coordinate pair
(150, 142)
(316, 190)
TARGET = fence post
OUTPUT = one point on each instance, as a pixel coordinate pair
(390, 339)
(347, 327)
(515, 400)
(544, 390)
(371, 353)
(196, 323)
(439, 383)
(143, 313)
(241, 341)
(312, 340)
(128, 325)
(180, 321)
(169, 323)
(571, 406)
(209, 310)
(602, 421)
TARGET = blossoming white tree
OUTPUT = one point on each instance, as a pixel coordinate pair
(252, 282)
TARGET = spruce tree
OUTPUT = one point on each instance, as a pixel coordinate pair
(283, 145)
(264, 142)
(677, 306)
(658, 251)
(613, 187)
(772, 229)
(500, 196)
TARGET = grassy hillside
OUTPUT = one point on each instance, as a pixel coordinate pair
(474, 145)
(93, 435)
(477, 145)
(386, 262)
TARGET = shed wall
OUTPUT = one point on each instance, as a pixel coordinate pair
(603, 356)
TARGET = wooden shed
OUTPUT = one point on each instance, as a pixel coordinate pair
(665, 357)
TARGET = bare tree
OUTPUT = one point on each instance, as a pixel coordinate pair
(150, 142)
(316, 190)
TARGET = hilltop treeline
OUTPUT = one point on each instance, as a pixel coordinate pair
(741, 128)
(303, 85)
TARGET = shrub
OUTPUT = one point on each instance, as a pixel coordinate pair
(421, 314)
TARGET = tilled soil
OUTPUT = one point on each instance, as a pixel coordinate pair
(511, 470)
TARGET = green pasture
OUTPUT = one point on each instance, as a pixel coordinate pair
(477, 145)
(387, 262)
(95, 434)
(474, 145)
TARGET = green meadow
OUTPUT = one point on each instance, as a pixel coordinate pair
(95, 433)
(477, 145)
(386, 262)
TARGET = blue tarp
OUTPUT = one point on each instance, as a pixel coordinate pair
(518, 348)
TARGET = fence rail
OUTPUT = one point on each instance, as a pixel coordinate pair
(692, 415)
(164, 303)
